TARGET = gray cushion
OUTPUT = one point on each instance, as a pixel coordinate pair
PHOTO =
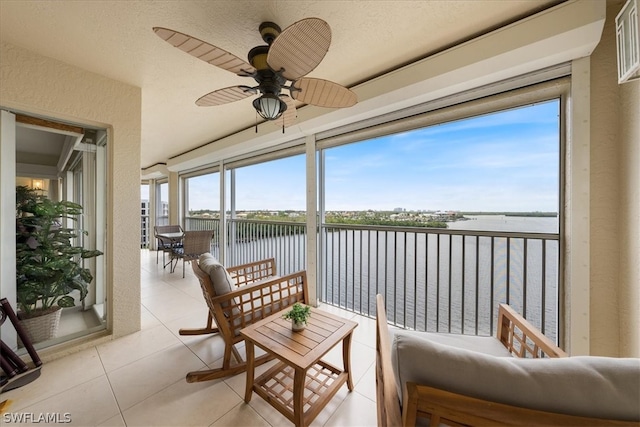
(589, 386)
(482, 344)
(220, 278)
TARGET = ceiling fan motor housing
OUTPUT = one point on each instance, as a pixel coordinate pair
(269, 31)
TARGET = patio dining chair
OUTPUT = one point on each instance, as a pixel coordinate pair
(163, 244)
(194, 244)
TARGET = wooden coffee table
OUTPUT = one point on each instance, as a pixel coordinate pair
(301, 384)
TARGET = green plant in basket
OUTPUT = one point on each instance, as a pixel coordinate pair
(48, 264)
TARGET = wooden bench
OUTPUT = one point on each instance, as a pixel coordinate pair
(440, 406)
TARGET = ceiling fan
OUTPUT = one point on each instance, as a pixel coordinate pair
(278, 67)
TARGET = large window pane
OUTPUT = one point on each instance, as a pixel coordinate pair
(503, 163)
(276, 186)
(162, 203)
(202, 201)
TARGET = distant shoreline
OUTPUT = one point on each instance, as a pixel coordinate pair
(526, 214)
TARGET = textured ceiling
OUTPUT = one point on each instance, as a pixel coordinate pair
(115, 39)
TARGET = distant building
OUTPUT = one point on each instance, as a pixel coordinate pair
(144, 225)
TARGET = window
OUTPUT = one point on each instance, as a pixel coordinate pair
(202, 201)
(448, 213)
(162, 203)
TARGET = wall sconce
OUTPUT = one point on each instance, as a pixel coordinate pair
(37, 184)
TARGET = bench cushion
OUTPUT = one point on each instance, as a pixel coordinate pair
(480, 343)
(220, 278)
(589, 386)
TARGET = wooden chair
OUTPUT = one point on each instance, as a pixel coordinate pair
(257, 292)
(194, 244)
(442, 407)
(163, 244)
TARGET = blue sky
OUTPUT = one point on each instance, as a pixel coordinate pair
(506, 161)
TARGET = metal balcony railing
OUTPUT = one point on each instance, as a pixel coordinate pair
(439, 279)
(432, 279)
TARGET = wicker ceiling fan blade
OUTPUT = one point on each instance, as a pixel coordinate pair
(323, 93)
(204, 51)
(300, 48)
(290, 114)
(225, 96)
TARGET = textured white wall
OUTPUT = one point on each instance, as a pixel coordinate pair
(615, 203)
(36, 84)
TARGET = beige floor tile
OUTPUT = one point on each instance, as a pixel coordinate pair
(238, 382)
(355, 410)
(336, 310)
(140, 379)
(242, 415)
(184, 404)
(331, 407)
(87, 404)
(208, 348)
(367, 384)
(148, 320)
(155, 288)
(194, 319)
(362, 358)
(189, 285)
(172, 304)
(116, 421)
(365, 333)
(56, 377)
(268, 412)
(130, 348)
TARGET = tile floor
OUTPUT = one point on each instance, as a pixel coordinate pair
(138, 380)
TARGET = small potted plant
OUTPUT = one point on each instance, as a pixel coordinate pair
(298, 314)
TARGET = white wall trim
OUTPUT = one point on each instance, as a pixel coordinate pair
(577, 205)
(7, 219)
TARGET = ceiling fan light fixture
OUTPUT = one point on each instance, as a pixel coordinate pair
(269, 106)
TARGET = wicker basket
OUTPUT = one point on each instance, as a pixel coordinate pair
(41, 328)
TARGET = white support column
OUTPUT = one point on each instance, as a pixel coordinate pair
(8, 220)
(222, 237)
(101, 223)
(175, 207)
(577, 237)
(312, 221)
(153, 211)
(232, 215)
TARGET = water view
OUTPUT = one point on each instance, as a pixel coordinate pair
(446, 280)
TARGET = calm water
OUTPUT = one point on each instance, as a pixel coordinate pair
(507, 223)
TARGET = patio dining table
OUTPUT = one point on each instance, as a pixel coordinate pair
(175, 238)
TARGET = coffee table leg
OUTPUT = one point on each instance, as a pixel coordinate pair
(346, 359)
(250, 365)
(298, 396)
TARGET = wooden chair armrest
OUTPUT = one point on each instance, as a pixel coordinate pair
(252, 272)
(521, 338)
(388, 404)
(454, 409)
